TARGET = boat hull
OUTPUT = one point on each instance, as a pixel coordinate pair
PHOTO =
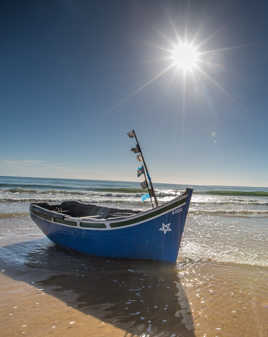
(156, 238)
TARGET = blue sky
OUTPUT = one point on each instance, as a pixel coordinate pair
(72, 85)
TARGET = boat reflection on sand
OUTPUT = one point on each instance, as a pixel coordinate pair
(142, 298)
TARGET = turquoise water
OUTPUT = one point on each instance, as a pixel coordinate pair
(225, 223)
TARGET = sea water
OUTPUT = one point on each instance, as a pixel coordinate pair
(224, 224)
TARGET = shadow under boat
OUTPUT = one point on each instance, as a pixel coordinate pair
(142, 297)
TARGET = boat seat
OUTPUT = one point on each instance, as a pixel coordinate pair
(91, 217)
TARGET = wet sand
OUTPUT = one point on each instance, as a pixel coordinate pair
(227, 299)
(25, 310)
(46, 291)
(203, 299)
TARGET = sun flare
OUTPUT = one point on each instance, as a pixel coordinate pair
(185, 56)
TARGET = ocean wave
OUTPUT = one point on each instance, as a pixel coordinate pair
(244, 202)
(107, 192)
(73, 190)
(18, 190)
(24, 200)
(88, 200)
(235, 193)
(236, 213)
(121, 198)
(36, 186)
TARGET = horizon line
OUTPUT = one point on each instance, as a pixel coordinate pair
(130, 181)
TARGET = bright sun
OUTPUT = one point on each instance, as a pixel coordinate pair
(185, 56)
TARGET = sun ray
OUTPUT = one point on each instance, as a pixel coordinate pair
(165, 37)
(174, 28)
(214, 51)
(143, 86)
(212, 64)
(210, 37)
(213, 81)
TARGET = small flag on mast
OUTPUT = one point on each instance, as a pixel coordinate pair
(131, 133)
(144, 184)
(145, 196)
(136, 149)
(140, 171)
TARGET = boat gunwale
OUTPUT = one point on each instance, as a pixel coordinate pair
(112, 223)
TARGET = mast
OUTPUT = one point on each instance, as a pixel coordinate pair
(147, 176)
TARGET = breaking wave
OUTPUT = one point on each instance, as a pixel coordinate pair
(236, 193)
(236, 213)
(84, 191)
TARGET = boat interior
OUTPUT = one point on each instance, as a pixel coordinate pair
(79, 210)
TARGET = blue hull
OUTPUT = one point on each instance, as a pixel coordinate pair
(153, 235)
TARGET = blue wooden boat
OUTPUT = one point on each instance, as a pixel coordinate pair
(117, 233)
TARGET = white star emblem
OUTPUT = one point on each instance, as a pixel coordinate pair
(165, 228)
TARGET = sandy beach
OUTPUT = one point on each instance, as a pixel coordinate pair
(219, 286)
(47, 291)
